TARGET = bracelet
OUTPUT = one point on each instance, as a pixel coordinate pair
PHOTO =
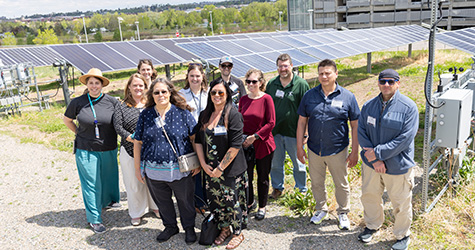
(305, 136)
(220, 169)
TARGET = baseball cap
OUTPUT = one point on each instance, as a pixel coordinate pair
(225, 59)
(389, 73)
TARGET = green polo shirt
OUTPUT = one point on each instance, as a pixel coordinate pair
(286, 102)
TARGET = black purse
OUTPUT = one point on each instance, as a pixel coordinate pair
(249, 152)
(209, 230)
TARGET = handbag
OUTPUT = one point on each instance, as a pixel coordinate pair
(209, 230)
(249, 152)
(186, 162)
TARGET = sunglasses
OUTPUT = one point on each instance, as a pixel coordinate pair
(214, 92)
(226, 66)
(391, 82)
(163, 92)
(252, 81)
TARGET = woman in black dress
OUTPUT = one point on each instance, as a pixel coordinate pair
(219, 148)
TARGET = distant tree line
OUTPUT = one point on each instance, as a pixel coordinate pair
(104, 26)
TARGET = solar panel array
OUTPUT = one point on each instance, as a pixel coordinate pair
(250, 50)
(463, 39)
(305, 47)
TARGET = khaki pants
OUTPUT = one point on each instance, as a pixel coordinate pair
(399, 188)
(317, 168)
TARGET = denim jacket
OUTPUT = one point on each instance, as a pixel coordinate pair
(390, 132)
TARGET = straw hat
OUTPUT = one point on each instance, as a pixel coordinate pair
(97, 73)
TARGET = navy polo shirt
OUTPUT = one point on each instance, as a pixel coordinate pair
(328, 119)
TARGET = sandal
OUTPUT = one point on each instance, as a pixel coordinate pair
(225, 233)
(235, 241)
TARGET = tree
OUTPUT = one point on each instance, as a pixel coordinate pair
(46, 37)
(9, 39)
(98, 36)
(29, 39)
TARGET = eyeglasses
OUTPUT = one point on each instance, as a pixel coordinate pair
(214, 92)
(391, 82)
(226, 66)
(163, 92)
(252, 81)
(283, 66)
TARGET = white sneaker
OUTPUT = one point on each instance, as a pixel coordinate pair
(318, 217)
(344, 222)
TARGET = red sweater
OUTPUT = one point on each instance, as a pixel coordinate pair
(259, 118)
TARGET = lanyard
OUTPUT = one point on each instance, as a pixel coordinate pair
(193, 95)
(96, 129)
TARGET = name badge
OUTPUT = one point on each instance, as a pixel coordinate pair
(279, 93)
(233, 86)
(220, 130)
(337, 104)
(372, 121)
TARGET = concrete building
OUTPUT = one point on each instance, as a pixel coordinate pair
(355, 14)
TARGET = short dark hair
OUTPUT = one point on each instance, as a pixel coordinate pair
(326, 63)
(283, 57)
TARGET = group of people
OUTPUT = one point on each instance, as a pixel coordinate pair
(234, 131)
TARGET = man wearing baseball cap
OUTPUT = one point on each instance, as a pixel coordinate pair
(236, 85)
(386, 131)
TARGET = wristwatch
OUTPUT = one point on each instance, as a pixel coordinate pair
(256, 136)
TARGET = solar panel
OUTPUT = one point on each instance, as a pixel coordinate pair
(46, 54)
(17, 56)
(333, 51)
(273, 43)
(202, 50)
(252, 45)
(162, 56)
(291, 41)
(249, 49)
(258, 62)
(173, 48)
(458, 40)
(106, 54)
(131, 52)
(240, 67)
(5, 59)
(319, 53)
(230, 48)
(300, 57)
(80, 58)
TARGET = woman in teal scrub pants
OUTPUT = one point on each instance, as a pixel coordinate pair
(95, 147)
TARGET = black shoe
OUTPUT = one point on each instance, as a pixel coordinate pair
(367, 235)
(190, 235)
(167, 233)
(261, 214)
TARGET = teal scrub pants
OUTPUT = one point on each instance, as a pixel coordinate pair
(99, 175)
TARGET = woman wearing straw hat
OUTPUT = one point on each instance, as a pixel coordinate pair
(95, 147)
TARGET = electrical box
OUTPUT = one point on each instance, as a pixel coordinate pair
(471, 85)
(453, 118)
(20, 72)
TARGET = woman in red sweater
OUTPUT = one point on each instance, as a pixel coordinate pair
(257, 109)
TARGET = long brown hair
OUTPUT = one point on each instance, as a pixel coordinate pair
(175, 98)
(199, 67)
(206, 113)
(148, 62)
(128, 99)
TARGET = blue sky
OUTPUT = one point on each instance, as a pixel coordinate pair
(13, 9)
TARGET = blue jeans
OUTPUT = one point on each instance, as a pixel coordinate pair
(289, 144)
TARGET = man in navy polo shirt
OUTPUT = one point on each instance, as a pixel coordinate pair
(326, 109)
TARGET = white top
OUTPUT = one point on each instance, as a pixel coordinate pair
(195, 100)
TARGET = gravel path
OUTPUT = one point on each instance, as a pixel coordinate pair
(42, 208)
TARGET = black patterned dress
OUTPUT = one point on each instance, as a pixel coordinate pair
(226, 194)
